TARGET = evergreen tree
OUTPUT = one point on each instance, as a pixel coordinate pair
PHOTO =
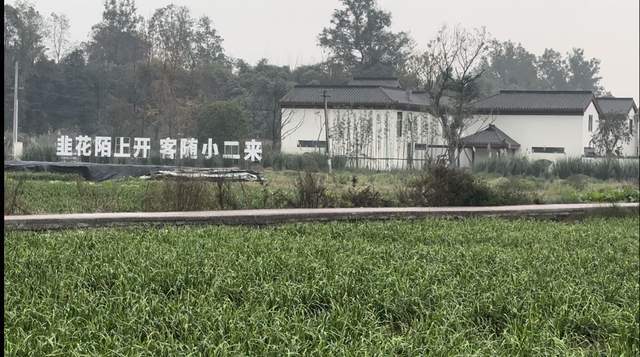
(359, 37)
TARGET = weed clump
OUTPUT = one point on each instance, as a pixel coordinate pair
(443, 186)
(366, 196)
(179, 194)
(311, 191)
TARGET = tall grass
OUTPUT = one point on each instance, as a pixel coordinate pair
(513, 166)
(40, 148)
(601, 168)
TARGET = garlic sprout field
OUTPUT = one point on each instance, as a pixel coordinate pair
(427, 287)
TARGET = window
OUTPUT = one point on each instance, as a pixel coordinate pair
(312, 144)
(399, 125)
(547, 150)
(631, 126)
(421, 147)
(589, 152)
(590, 123)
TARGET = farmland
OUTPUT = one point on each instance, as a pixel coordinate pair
(429, 287)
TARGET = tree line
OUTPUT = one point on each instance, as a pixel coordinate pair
(169, 75)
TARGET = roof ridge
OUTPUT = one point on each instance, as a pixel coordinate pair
(485, 98)
(387, 94)
(537, 91)
(622, 98)
(344, 86)
(374, 78)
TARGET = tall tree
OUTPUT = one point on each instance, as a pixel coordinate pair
(185, 48)
(583, 72)
(181, 42)
(79, 99)
(171, 30)
(114, 52)
(509, 66)
(58, 35)
(450, 71)
(207, 43)
(24, 33)
(359, 37)
(264, 85)
(117, 38)
(552, 70)
(45, 98)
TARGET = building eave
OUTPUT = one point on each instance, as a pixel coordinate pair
(529, 112)
(365, 106)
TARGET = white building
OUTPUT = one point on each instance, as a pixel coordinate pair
(544, 124)
(376, 124)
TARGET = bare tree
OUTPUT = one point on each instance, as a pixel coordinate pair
(58, 35)
(450, 70)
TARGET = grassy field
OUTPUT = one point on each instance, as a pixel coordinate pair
(54, 193)
(433, 287)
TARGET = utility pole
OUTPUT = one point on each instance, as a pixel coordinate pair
(15, 113)
(326, 129)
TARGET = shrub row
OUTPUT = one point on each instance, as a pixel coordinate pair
(514, 166)
(603, 169)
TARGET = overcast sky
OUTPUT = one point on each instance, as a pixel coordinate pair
(285, 31)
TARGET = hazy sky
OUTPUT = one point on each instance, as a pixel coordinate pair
(285, 31)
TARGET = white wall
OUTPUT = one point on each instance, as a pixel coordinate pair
(301, 124)
(631, 148)
(586, 134)
(369, 137)
(567, 131)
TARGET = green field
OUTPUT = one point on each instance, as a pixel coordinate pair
(55, 193)
(432, 287)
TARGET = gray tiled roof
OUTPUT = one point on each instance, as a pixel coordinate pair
(381, 82)
(536, 102)
(375, 94)
(620, 106)
(407, 97)
(337, 95)
(353, 95)
(490, 135)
